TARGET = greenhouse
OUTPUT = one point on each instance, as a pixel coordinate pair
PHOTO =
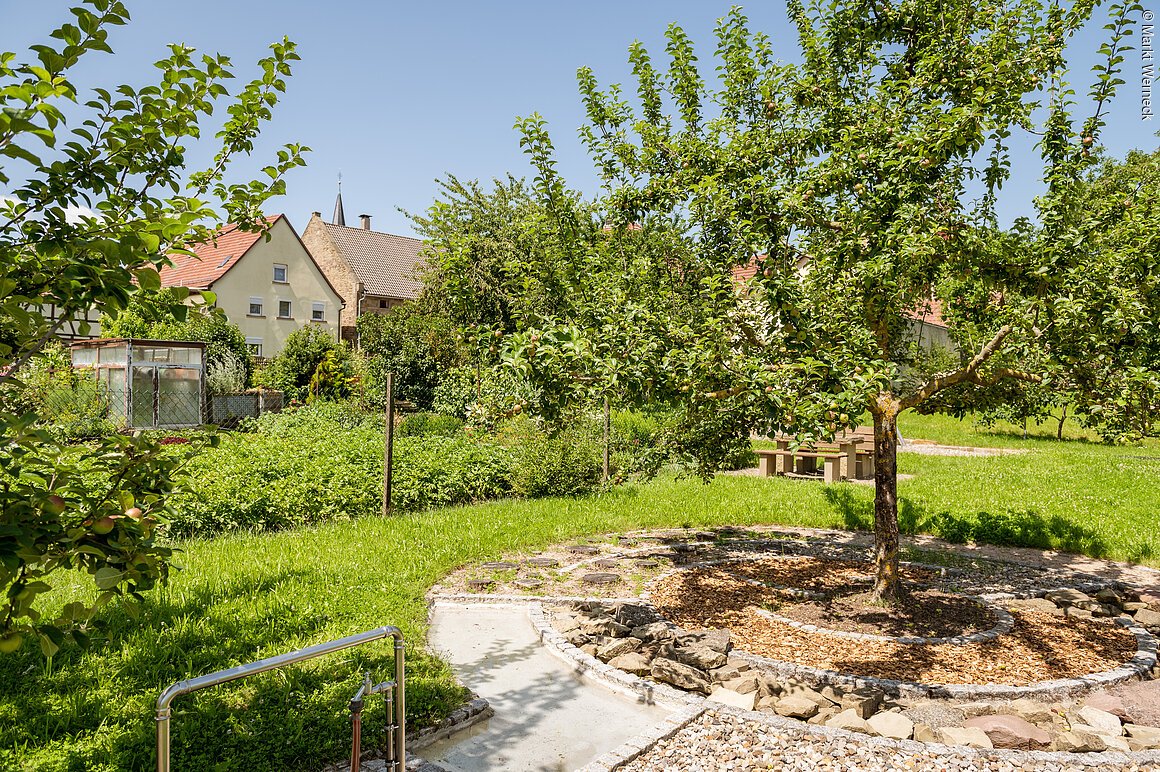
(149, 384)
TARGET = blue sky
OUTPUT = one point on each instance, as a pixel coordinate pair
(396, 94)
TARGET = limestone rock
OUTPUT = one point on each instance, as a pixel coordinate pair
(1110, 703)
(577, 638)
(894, 725)
(1075, 612)
(796, 706)
(616, 647)
(1116, 743)
(635, 615)
(972, 709)
(1148, 618)
(1031, 710)
(850, 721)
(1079, 741)
(1011, 732)
(1041, 605)
(717, 640)
(1065, 596)
(1146, 737)
(1101, 721)
(730, 697)
(864, 702)
(724, 674)
(798, 689)
(700, 656)
(924, 733)
(633, 662)
(743, 684)
(1110, 596)
(565, 623)
(589, 649)
(604, 626)
(680, 675)
(970, 736)
(1132, 606)
(657, 631)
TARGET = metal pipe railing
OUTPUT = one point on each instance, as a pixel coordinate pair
(271, 663)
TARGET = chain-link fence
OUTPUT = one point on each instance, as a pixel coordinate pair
(85, 402)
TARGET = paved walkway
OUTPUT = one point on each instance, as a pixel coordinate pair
(547, 717)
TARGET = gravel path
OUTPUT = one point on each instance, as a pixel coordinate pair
(717, 742)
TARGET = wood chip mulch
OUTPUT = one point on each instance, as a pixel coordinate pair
(1040, 648)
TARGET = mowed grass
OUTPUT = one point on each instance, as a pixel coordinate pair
(242, 597)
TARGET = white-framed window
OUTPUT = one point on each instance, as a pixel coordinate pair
(255, 307)
(285, 309)
(255, 346)
(280, 273)
(317, 312)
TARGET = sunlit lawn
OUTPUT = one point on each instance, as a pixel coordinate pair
(243, 597)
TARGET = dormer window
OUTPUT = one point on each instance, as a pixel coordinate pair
(279, 273)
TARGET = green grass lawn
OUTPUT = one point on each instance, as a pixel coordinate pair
(242, 597)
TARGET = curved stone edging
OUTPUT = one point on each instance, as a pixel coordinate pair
(649, 690)
(1005, 624)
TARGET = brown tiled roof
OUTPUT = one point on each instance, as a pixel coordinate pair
(387, 265)
(210, 261)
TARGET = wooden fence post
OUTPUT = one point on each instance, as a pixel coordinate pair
(389, 436)
(607, 438)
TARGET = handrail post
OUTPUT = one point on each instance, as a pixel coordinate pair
(167, 697)
(400, 708)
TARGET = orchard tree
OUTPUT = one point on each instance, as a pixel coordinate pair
(119, 157)
(861, 185)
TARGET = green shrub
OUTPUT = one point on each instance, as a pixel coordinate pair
(565, 464)
(291, 370)
(429, 425)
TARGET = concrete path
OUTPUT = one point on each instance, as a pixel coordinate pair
(547, 717)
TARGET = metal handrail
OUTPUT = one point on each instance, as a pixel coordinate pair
(271, 663)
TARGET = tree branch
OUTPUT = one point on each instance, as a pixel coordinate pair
(970, 373)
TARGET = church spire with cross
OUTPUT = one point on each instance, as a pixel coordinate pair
(339, 217)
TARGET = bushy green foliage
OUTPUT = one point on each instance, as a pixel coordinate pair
(429, 425)
(566, 463)
(417, 346)
(324, 462)
(291, 370)
(332, 379)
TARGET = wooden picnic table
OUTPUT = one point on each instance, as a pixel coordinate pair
(842, 459)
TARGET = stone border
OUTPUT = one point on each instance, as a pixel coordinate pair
(692, 705)
(637, 746)
(471, 713)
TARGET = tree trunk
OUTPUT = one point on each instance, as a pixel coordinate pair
(1062, 418)
(887, 585)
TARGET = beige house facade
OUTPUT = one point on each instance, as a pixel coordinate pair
(268, 285)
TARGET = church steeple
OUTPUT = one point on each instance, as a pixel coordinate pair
(339, 217)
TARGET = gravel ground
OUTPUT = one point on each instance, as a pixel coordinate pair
(717, 742)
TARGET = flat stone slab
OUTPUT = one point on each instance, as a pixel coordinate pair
(499, 565)
(543, 562)
(606, 563)
(583, 549)
(480, 584)
(600, 577)
(646, 563)
(527, 584)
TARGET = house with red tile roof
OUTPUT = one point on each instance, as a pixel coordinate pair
(267, 284)
(372, 271)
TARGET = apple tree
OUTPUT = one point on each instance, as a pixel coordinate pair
(859, 187)
(98, 189)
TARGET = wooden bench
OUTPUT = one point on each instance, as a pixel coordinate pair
(771, 462)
